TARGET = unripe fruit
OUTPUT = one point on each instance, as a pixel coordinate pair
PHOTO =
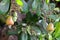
(9, 21)
(50, 27)
(15, 16)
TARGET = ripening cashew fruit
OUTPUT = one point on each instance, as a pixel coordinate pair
(50, 27)
(9, 21)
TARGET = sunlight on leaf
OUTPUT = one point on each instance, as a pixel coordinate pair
(19, 2)
(57, 30)
(57, 0)
(47, 1)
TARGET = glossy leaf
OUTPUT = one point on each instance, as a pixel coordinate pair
(39, 7)
(34, 5)
(30, 3)
(19, 2)
(57, 0)
(54, 17)
(57, 9)
(44, 25)
(36, 29)
(4, 6)
(57, 30)
(47, 1)
(57, 20)
(23, 36)
(39, 13)
(28, 30)
(45, 8)
(24, 8)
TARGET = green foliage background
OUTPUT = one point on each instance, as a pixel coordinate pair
(31, 18)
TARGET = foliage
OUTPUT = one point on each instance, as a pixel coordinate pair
(31, 19)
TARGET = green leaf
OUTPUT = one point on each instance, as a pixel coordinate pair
(58, 0)
(54, 17)
(30, 3)
(44, 25)
(45, 7)
(33, 30)
(57, 20)
(56, 9)
(36, 29)
(47, 1)
(50, 37)
(19, 2)
(28, 29)
(58, 38)
(39, 7)
(34, 5)
(24, 8)
(4, 6)
(57, 30)
(38, 12)
(41, 37)
(23, 36)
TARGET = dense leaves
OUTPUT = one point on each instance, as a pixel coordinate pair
(31, 19)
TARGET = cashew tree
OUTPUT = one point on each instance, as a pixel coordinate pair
(30, 19)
